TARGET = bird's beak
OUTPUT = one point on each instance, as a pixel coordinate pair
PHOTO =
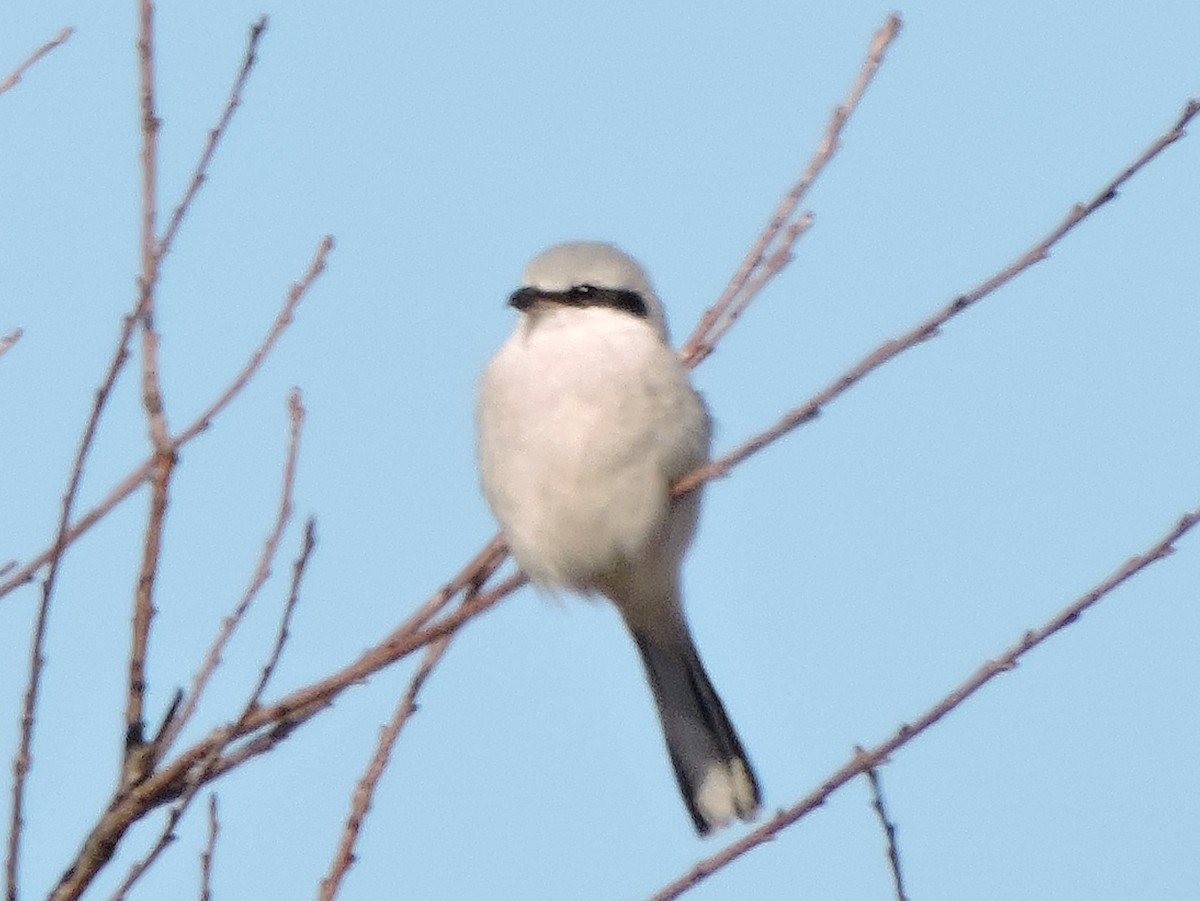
(524, 298)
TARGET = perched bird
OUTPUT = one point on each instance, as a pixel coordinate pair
(585, 419)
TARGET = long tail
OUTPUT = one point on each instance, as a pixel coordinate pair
(714, 775)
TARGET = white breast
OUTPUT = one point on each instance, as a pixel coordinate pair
(585, 419)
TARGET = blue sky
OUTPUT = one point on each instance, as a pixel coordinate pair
(841, 582)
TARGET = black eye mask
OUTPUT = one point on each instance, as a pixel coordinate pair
(583, 296)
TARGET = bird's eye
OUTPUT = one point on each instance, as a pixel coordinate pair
(581, 292)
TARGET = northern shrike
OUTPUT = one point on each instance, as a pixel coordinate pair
(586, 418)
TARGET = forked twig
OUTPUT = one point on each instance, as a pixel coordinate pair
(132, 481)
(772, 251)
(300, 705)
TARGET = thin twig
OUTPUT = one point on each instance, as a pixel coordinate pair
(930, 327)
(281, 717)
(262, 572)
(771, 253)
(200, 173)
(365, 790)
(237, 727)
(135, 478)
(767, 269)
(13, 77)
(210, 847)
(285, 620)
(9, 340)
(139, 755)
(27, 570)
(889, 830)
(862, 761)
(275, 722)
(270, 725)
(398, 644)
(23, 759)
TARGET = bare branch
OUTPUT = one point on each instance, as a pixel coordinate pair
(138, 755)
(138, 759)
(200, 174)
(13, 77)
(770, 252)
(862, 761)
(301, 704)
(179, 778)
(26, 571)
(273, 723)
(889, 830)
